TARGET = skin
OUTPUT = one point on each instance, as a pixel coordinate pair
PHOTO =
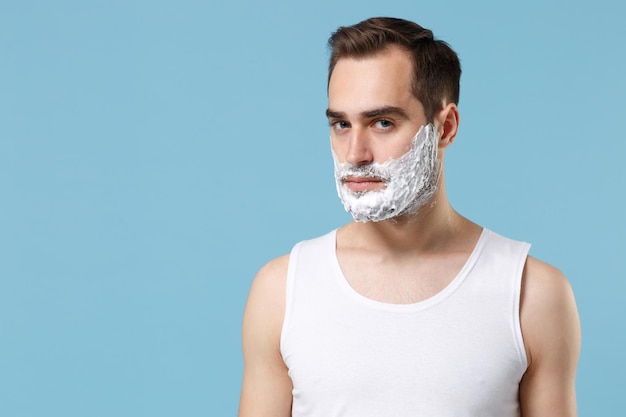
(373, 117)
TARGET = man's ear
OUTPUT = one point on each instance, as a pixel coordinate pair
(447, 124)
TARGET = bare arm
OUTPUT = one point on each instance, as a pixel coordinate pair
(551, 330)
(266, 389)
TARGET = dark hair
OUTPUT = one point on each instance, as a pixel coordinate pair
(436, 72)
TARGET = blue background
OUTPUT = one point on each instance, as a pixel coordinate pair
(155, 154)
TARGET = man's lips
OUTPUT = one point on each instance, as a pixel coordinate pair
(363, 183)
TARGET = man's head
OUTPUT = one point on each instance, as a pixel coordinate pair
(392, 94)
(436, 67)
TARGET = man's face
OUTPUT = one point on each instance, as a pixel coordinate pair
(372, 111)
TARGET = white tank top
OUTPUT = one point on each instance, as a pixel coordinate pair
(459, 353)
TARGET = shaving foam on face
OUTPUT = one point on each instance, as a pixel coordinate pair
(410, 181)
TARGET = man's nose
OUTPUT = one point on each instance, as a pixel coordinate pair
(359, 148)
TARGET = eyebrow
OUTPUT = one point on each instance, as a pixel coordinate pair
(368, 114)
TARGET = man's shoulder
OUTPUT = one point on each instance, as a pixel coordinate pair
(543, 283)
(272, 274)
(552, 337)
(541, 271)
(276, 269)
(548, 308)
(266, 304)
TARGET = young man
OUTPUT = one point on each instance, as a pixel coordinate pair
(412, 309)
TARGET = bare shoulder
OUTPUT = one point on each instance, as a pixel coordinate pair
(548, 307)
(551, 332)
(272, 275)
(266, 301)
(544, 286)
(266, 387)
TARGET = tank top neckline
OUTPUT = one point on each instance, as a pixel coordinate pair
(456, 282)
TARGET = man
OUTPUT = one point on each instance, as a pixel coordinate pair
(412, 309)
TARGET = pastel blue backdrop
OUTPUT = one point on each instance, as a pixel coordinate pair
(155, 154)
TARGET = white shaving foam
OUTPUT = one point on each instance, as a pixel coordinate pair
(410, 181)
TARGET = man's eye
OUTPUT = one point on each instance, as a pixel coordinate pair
(340, 125)
(383, 124)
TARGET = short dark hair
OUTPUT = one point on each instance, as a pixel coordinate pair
(436, 72)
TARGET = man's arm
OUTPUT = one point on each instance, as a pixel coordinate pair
(266, 389)
(551, 331)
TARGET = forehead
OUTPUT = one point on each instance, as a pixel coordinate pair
(384, 79)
